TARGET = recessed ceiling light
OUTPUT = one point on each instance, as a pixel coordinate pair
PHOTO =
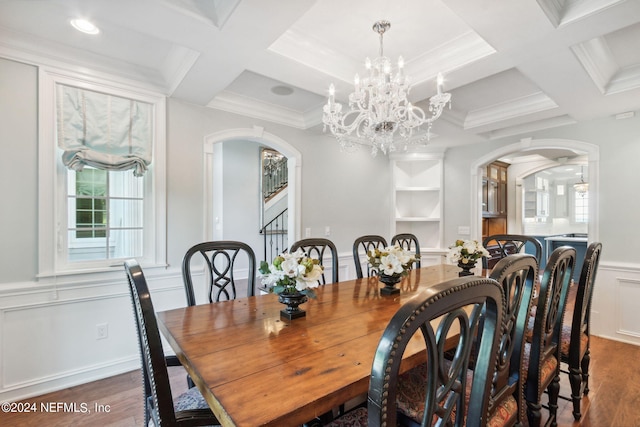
(282, 90)
(84, 26)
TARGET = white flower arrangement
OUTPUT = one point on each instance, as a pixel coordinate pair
(391, 260)
(291, 272)
(466, 252)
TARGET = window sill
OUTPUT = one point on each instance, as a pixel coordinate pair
(116, 267)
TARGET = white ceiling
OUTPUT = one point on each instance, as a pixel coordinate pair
(512, 66)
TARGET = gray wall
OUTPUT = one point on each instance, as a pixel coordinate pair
(241, 205)
(18, 171)
(349, 192)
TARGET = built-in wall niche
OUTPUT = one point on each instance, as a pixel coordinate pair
(417, 198)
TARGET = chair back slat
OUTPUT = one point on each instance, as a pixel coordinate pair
(317, 248)
(501, 245)
(545, 342)
(454, 307)
(408, 242)
(582, 307)
(517, 276)
(222, 258)
(362, 246)
(156, 377)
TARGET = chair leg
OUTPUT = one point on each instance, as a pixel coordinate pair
(554, 392)
(586, 360)
(575, 378)
(534, 413)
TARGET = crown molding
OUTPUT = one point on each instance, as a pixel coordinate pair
(528, 128)
(238, 104)
(518, 107)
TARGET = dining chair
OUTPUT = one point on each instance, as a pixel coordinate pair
(516, 275)
(223, 258)
(501, 245)
(317, 248)
(451, 308)
(576, 336)
(408, 242)
(190, 408)
(361, 247)
(542, 354)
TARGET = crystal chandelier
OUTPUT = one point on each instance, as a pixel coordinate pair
(581, 188)
(379, 109)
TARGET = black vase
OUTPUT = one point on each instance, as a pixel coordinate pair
(292, 300)
(466, 268)
(390, 282)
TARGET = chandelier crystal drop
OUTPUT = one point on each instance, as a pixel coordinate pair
(379, 109)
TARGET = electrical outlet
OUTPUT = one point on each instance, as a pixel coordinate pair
(102, 331)
(307, 232)
(327, 231)
(464, 229)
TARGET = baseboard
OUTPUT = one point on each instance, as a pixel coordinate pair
(65, 380)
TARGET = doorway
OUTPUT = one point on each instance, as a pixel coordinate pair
(214, 196)
(589, 153)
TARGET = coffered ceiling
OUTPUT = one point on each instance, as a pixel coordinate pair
(512, 66)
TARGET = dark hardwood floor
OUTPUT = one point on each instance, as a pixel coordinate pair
(614, 399)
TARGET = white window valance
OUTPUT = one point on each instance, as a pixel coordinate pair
(103, 131)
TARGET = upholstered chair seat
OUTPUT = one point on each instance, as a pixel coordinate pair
(566, 341)
(411, 397)
(548, 369)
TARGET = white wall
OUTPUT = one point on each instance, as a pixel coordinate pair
(48, 326)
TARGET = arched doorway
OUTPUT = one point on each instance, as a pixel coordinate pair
(531, 145)
(212, 144)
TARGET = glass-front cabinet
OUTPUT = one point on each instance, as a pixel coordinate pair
(494, 198)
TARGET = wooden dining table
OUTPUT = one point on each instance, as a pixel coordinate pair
(255, 368)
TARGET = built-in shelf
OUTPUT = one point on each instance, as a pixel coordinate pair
(417, 197)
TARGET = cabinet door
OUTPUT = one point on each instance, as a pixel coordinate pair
(502, 198)
(492, 197)
(485, 195)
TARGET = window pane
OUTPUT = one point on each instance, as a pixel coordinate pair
(125, 243)
(125, 184)
(87, 248)
(125, 213)
(82, 203)
(91, 182)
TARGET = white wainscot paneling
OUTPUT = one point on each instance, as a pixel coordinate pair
(50, 340)
(615, 314)
(48, 332)
(628, 316)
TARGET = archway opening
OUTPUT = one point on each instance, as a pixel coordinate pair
(585, 153)
(214, 194)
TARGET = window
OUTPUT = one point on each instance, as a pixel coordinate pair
(94, 215)
(105, 215)
(88, 203)
(581, 207)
